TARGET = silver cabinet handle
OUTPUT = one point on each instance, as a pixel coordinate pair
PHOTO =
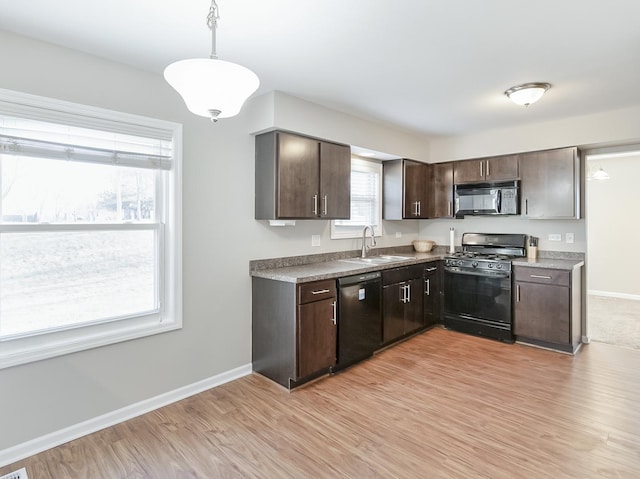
(320, 291)
(518, 293)
(481, 175)
(325, 205)
(315, 204)
(488, 174)
(415, 208)
(429, 270)
(334, 319)
(419, 208)
(526, 206)
(539, 276)
(448, 208)
(428, 283)
(408, 293)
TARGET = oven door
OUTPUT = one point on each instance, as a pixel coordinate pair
(481, 296)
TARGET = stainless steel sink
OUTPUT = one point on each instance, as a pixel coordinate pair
(382, 259)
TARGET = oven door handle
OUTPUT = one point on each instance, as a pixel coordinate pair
(474, 273)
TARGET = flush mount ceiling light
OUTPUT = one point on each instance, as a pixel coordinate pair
(600, 175)
(527, 93)
(210, 87)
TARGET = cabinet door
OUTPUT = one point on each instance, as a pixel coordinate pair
(432, 293)
(393, 312)
(549, 185)
(468, 171)
(335, 181)
(501, 168)
(316, 336)
(298, 177)
(542, 311)
(416, 197)
(442, 190)
(413, 306)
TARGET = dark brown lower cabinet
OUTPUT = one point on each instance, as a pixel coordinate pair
(316, 336)
(548, 307)
(293, 329)
(432, 293)
(402, 302)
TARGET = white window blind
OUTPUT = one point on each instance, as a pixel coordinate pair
(366, 199)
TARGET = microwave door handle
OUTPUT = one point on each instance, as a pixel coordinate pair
(499, 205)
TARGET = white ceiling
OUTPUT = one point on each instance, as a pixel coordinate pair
(433, 66)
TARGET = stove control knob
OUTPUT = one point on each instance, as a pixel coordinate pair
(499, 266)
(490, 265)
(474, 264)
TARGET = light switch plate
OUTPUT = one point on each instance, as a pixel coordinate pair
(555, 237)
(568, 237)
(315, 240)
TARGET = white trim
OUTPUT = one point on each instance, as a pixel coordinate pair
(48, 441)
(609, 294)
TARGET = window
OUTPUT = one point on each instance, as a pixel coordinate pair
(366, 199)
(89, 227)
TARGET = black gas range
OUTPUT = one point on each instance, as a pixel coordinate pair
(477, 284)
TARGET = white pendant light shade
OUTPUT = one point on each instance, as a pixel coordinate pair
(212, 88)
(528, 93)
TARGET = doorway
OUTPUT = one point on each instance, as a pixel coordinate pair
(613, 230)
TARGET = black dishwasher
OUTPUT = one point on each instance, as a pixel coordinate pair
(359, 318)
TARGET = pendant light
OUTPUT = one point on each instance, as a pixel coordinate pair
(210, 87)
(527, 93)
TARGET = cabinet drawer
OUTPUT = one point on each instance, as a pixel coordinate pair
(543, 275)
(398, 275)
(308, 292)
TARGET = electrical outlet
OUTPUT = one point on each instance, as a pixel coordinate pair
(568, 237)
(315, 240)
(555, 237)
(398, 234)
(21, 474)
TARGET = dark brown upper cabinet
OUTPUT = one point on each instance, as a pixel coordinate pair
(441, 190)
(406, 185)
(497, 168)
(551, 183)
(298, 177)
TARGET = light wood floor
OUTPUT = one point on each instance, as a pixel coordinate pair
(442, 404)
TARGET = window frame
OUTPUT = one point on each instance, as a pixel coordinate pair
(355, 230)
(38, 345)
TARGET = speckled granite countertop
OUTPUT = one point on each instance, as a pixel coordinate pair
(550, 263)
(338, 268)
(303, 269)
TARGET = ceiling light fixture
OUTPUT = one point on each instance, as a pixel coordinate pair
(600, 175)
(210, 87)
(527, 93)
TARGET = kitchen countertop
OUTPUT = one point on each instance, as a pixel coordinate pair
(549, 263)
(338, 268)
(304, 269)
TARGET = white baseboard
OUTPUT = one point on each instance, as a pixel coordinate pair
(29, 448)
(609, 294)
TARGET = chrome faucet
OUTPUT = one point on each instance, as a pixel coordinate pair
(365, 248)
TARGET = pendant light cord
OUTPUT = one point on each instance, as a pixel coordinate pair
(212, 23)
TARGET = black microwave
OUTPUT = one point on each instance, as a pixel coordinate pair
(487, 199)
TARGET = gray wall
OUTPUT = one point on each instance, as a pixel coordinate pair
(612, 227)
